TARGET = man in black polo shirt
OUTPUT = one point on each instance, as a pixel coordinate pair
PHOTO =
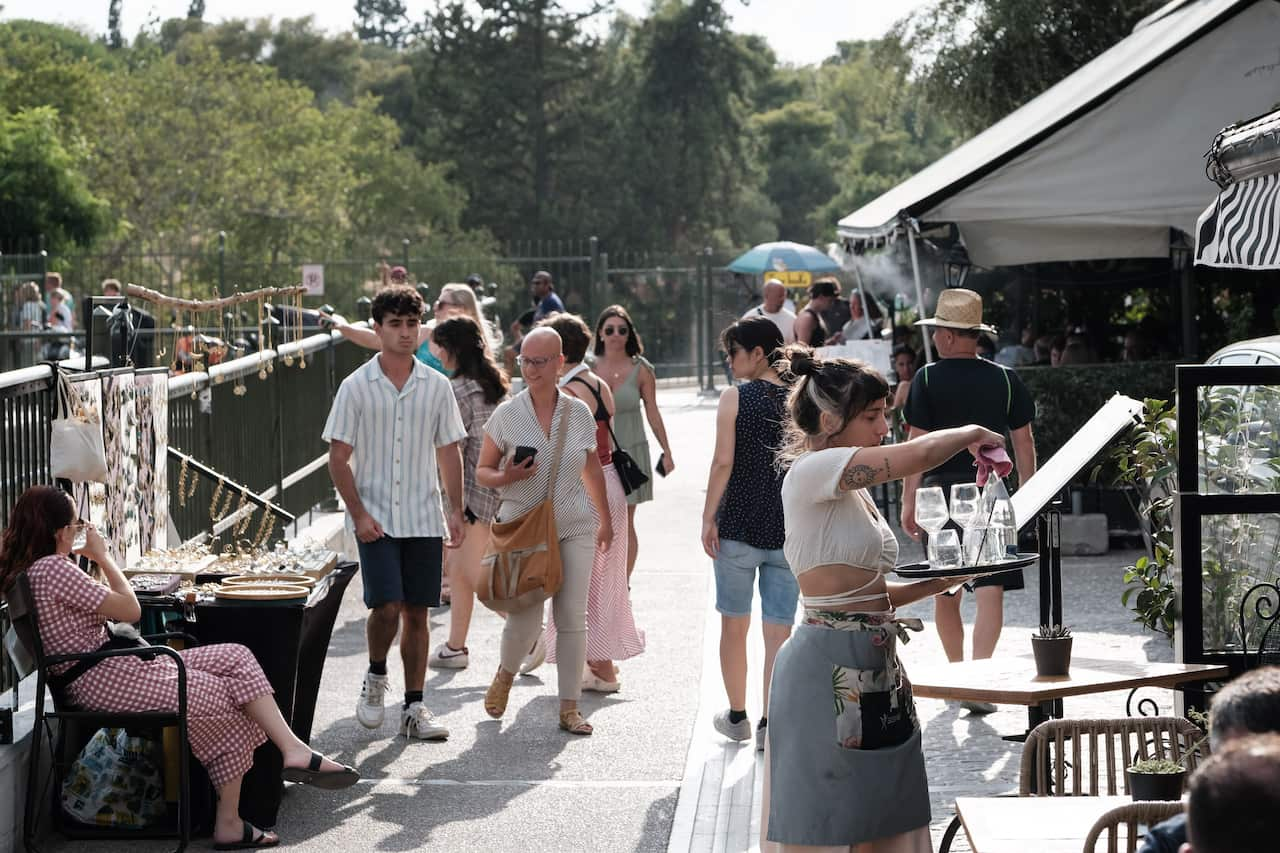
(958, 389)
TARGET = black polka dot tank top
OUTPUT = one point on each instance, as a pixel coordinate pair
(751, 509)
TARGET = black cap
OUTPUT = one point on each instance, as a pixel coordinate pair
(475, 280)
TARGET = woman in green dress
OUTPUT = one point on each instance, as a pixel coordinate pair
(620, 361)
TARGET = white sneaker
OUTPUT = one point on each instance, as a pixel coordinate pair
(369, 710)
(739, 731)
(446, 658)
(417, 721)
(536, 657)
(596, 684)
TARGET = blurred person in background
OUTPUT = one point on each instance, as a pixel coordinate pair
(30, 317)
(811, 328)
(774, 308)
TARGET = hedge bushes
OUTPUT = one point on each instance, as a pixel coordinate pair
(1066, 397)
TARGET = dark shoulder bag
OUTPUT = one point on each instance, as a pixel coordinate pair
(630, 474)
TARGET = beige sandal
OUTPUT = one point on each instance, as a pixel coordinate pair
(572, 722)
(495, 698)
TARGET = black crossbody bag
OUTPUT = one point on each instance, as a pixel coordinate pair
(630, 474)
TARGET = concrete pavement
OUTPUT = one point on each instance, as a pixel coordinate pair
(654, 776)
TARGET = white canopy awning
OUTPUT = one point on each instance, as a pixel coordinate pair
(1103, 164)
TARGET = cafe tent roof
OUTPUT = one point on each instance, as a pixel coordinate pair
(1104, 163)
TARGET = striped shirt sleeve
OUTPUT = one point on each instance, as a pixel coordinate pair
(447, 423)
(344, 415)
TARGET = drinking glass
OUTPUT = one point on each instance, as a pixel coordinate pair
(964, 503)
(81, 537)
(931, 513)
(946, 549)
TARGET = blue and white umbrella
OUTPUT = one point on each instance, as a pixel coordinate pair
(783, 257)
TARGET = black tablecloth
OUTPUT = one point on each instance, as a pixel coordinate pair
(290, 641)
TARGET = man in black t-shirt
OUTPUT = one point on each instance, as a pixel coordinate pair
(960, 389)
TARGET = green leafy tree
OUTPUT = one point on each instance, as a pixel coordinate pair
(42, 189)
(982, 59)
(115, 39)
(796, 140)
(196, 10)
(384, 22)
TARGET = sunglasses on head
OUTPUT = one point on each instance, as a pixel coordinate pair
(610, 331)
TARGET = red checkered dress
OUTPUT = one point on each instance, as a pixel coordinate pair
(221, 679)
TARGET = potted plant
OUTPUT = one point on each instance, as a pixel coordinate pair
(1156, 779)
(1051, 646)
(1164, 778)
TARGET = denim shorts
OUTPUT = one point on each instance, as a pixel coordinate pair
(737, 565)
(402, 570)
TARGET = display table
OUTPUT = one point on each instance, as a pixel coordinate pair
(1013, 681)
(290, 640)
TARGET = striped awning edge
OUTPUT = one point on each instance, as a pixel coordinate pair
(1241, 228)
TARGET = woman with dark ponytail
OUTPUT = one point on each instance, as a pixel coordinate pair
(843, 715)
(742, 518)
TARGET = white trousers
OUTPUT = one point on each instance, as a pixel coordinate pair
(569, 606)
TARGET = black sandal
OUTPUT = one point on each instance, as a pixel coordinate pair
(249, 841)
(330, 780)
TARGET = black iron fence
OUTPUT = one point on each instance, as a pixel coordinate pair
(680, 301)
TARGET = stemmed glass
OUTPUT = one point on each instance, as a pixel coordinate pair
(931, 514)
(964, 512)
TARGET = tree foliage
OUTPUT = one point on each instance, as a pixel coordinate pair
(982, 59)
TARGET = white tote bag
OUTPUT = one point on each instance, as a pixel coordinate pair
(76, 451)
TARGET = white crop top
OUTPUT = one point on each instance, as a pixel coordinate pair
(826, 525)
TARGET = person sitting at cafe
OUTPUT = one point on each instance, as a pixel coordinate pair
(1234, 797)
(230, 708)
(1249, 705)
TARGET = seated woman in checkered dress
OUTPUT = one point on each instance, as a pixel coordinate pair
(230, 710)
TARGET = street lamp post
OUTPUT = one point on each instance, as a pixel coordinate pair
(955, 268)
(1180, 265)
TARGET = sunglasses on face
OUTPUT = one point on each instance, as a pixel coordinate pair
(610, 331)
(537, 363)
(440, 303)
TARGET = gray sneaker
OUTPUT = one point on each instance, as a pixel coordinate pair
(978, 708)
(739, 731)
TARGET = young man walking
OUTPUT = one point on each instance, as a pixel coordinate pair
(394, 433)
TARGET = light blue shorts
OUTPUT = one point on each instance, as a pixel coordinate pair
(737, 565)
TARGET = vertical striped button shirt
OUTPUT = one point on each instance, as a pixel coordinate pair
(514, 424)
(395, 434)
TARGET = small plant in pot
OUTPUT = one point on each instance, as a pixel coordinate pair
(1051, 645)
(1165, 778)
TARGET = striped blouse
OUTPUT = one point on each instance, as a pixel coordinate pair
(513, 425)
(395, 434)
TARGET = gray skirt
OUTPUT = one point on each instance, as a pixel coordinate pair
(846, 765)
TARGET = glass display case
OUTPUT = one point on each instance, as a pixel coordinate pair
(1227, 511)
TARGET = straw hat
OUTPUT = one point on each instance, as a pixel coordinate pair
(958, 309)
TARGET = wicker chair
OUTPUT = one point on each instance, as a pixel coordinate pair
(1132, 816)
(1064, 758)
(1089, 757)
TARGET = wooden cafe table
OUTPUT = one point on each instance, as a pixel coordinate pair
(1012, 680)
(1039, 824)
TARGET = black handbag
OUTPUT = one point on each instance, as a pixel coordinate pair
(631, 475)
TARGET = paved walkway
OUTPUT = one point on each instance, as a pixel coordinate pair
(654, 776)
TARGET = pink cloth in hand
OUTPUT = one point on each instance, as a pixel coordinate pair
(992, 458)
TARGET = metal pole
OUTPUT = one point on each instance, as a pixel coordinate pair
(222, 263)
(915, 272)
(1190, 334)
(709, 335)
(405, 245)
(698, 349)
(594, 252)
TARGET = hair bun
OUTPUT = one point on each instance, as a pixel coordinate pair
(803, 361)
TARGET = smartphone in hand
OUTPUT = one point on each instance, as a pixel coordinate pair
(661, 467)
(523, 453)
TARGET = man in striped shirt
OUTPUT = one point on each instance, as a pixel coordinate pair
(394, 431)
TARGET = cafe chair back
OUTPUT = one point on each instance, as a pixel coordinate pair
(1065, 758)
(65, 727)
(1133, 817)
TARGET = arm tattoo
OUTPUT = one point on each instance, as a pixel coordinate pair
(857, 477)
